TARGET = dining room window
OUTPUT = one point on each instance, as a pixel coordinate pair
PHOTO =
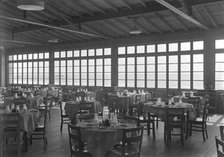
(86, 67)
(173, 71)
(69, 71)
(91, 66)
(131, 72)
(161, 72)
(185, 71)
(121, 72)
(219, 64)
(151, 72)
(198, 71)
(140, 71)
(29, 68)
(107, 72)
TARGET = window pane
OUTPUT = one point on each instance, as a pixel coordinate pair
(173, 47)
(219, 44)
(151, 48)
(198, 45)
(185, 46)
(161, 48)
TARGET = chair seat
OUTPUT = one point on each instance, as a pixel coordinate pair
(39, 125)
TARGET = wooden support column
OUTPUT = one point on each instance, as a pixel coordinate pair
(2, 68)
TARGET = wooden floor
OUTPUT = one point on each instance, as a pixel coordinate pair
(58, 144)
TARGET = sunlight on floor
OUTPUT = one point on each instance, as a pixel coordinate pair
(215, 120)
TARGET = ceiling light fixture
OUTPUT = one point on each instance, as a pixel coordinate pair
(135, 30)
(31, 5)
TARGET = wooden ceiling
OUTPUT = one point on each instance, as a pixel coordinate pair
(69, 21)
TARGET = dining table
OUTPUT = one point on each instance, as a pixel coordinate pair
(28, 119)
(100, 139)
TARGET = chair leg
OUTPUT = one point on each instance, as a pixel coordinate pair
(153, 130)
(206, 133)
(61, 125)
(203, 133)
(182, 136)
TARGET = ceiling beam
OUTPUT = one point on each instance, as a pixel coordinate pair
(198, 11)
(48, 26)
(209, 16)
(151, 7)
(182, 14)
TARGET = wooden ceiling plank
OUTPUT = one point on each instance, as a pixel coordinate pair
(112, 6)
(209, 16)
(126, 4)
(108, 28)
(118, 28)
(83, 7)
(65, 9)
(142, 3)
(182, 14)
(152, 24)
(96, 6)
(155, 7)
(179, 21)
(99, 27)
(164, 22)
(92, 29)
(123, 24)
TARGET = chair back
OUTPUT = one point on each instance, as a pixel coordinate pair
(43, 116)
(19, 101)
(75, 138)
(221, 128)
(219, 147)
(11, 125)
(137, 99)
(132, 140)
(61, 108)
(175, 116)
(86, 107)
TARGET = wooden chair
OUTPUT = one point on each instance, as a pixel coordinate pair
(199, 124)
(11, 132)
(221, 128)
(131, 143)
(77, 147)
(147, 121)
(86, 107)
(40, 128)
(114, 106)
(64, 118)
(175, 120)
(219, 147)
